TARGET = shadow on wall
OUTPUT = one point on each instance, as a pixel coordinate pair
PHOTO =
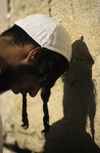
(69, 134)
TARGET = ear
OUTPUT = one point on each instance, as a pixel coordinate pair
(33, 54)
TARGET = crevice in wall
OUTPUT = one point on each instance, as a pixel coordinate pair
(8, 8)
(49, 1)
(72, 8)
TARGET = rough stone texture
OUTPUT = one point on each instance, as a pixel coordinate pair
(3, 12)
(81, 107)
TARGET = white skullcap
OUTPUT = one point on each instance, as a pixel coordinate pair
(48, 33)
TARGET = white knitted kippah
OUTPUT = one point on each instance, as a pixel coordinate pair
(48, 33)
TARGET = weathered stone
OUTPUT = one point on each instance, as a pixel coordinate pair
(69, 108)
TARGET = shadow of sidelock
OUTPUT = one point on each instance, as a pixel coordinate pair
(69, 134)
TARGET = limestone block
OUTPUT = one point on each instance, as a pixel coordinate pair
(3, 16)
(21, 9)
(68, 110)
(97, 66)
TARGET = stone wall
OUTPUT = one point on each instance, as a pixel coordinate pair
(73, 105)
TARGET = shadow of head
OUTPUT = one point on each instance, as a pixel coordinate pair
(80, 51)
(69, 134)
(79, 91)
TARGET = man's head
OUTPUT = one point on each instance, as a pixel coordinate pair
(42, 33)
(48, 32)
(42, 49)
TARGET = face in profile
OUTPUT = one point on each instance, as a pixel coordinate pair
(20, 79)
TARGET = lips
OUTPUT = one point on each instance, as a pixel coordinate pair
(17, 91)
(32, 92)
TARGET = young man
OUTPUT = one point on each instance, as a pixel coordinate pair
(33, 54)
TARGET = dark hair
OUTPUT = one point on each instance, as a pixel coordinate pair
(51, 66)
(19, 36)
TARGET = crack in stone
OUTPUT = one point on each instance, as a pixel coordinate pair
(49, 1)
